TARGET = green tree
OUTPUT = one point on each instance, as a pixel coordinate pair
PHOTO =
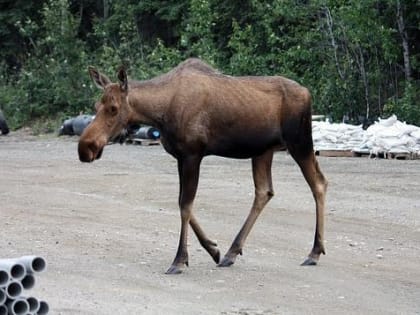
(51, 80)
(358, 58)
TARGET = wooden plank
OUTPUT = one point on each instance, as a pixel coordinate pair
(146, 142)
(389, 155)
(400, 156)
(364, 153)
(318, 117)
(335, 153)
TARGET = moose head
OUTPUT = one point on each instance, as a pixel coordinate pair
(112, 115)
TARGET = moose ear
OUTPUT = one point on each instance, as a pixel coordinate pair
(98, 78)
(122, 79)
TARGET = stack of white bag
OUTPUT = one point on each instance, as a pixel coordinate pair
(328, 136)
(17, 275)
(391, 136)
(385, 136)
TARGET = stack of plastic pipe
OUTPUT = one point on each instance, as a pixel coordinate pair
(16, 276)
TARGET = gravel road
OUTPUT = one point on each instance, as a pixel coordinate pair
(109, 230)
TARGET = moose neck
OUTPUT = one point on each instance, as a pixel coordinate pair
(149, 101)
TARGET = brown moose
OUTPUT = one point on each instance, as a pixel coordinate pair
(201, 112)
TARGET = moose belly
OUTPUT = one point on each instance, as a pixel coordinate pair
(242, 144)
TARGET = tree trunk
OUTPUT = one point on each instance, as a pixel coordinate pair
(403, 33)
(81, 14)
(333, 42)
(365, 80)
(106, 9)
(63, 17)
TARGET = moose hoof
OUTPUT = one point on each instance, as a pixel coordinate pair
(310, 261)
(216, 256)
(174, 270)
(226, 262)
(211, 248)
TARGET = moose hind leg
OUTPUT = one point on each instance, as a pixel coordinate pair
(318, 184)
(261, 171)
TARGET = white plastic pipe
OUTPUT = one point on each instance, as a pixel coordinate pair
(4, 278)
(44, 308)
(33, 304)
(15, 269)
(33, 263)
(28, 282)
(3, 296)
(18, 307)
(3, 309)
(14, 289)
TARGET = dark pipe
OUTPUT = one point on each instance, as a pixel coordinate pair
(147, 133)
(3, 124)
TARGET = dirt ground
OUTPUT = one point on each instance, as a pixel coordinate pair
(109, 230)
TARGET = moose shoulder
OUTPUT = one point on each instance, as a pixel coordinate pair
(200, 112)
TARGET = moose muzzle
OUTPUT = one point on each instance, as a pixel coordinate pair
(89, 151)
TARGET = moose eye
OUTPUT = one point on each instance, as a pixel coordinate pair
(113, 109)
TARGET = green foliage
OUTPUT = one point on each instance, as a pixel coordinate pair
(51, 80)
(407, 108)
(242, 44)
(160, 59)
(197, 38)
(348, 53)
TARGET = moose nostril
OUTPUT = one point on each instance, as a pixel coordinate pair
(86, 151)
(93, 147)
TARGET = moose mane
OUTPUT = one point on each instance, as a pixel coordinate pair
(191, 64)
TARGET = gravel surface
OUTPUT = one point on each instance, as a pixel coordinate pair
(109, 230)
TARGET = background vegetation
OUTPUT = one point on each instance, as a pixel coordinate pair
(360, 59)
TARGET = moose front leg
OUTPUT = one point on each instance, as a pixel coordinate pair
(261, 172)
(189, 171)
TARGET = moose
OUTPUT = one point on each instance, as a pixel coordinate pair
(199, 112)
